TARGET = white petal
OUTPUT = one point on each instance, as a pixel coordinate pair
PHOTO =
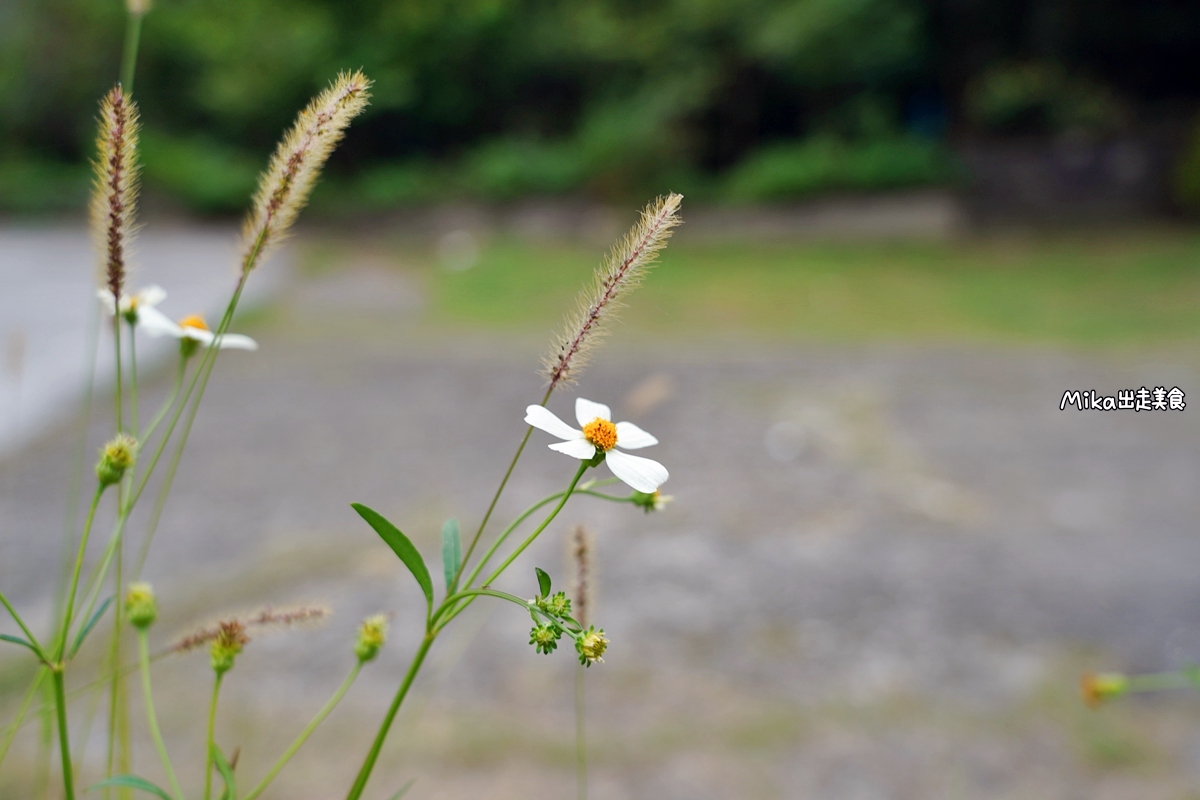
(542, 418)
(236, 341)
(156, 323)
(576, 448)
(106, 300)
(586, 411)
(642, 474)
(199, 334)
(151, 296)
(631, 437)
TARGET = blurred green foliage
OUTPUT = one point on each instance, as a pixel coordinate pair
(483, 98)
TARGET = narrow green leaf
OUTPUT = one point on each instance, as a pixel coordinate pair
(403, 789)
(91, 623)
(132, 782)
(401, 546)
(543, 581)
(226, 774)
(4, 637)
(451, 550)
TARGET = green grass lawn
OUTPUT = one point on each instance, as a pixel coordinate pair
(1105, 288)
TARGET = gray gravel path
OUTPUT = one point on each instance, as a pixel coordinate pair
(882, 573)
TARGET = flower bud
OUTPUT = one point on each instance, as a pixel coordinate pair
(141, 606)
(1098, 688)
(116, 457)
(372, 633)
(545, 638)
(591, 646)
(556, 605)
(651, 501)
(188, 347)
(230, 640)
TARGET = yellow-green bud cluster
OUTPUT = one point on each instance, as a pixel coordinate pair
(1098, 688)
(556, 605)
(116, 457)
(372, 633)
(230, 640)
(141, 606)
(545, 638)
(591, 646)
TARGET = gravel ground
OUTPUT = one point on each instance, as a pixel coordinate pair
(882, 573)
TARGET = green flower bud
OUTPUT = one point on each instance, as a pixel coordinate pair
(591, 646)
(372, 633)
(116, 457)
(651, 501)
(545, 638)
(230, 640)
(556, 605)
(188, 347)
(141, 606)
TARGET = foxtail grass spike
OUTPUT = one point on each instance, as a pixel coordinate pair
(621, 272)
(114, 195)
(265, 618)
(581, 558)
(284, 187)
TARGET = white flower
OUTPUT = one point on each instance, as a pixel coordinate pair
(132, 305)
(141, 307)
(600, 435)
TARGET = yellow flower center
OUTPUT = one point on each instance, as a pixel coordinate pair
(194, 321)
(601, 433)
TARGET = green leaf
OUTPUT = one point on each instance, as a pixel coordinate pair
(451, 550)
(403, 789)
(91, 623)
(401, 546)
(543, 581)
(226, 774)
(132, 782)
(4, 637)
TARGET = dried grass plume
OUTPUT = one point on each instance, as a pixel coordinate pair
(284, 187)
(621, 272)
(264, 619)
(583, 586)
(114, 192)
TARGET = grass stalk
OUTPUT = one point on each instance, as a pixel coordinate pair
(151, 716)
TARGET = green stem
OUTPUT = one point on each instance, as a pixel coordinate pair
(583, 466)
(114, 655)
(133, 36)
(70, 606)
(117, 350)
(133, 380)
(210, 740)
(360, 782)
(21, 622)
(64, 741)
(496, 497)
(580, 731)
(171, 398)
(151, 716)
(27, 701)
(303, 737)
(524, 516)
(1157, 681)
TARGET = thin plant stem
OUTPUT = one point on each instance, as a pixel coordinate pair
(151, 716)
(580, 733)
(133, 37)
(74, 585)
(360, 782)
(499, 490)
(26, 702)
(170, 401)
(133, 380)
(64, 739)
(210, 739)
(17, 618)
(583, 466)
(304, 734)
(114, 686)
(117, 350)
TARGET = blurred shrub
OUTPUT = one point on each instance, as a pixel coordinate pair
(208, 175)
(1040, 96)
(826, 163)
(1187, 172)
(34, 185)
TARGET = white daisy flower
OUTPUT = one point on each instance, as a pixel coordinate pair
(601, 435)
(155, 323)
(131, 305)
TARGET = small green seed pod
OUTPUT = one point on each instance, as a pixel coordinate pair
(141, 606)
(372, 634)
(116, 457)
